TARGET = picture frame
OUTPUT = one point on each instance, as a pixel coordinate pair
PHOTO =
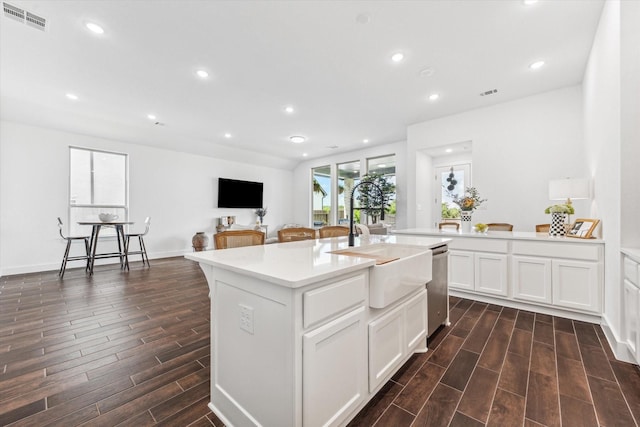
(583, 228)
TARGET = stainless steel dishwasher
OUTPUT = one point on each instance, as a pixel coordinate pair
(438, 290)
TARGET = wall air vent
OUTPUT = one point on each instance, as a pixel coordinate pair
(489, 92)
(28, 18)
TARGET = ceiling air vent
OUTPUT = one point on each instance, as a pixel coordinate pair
(489, 92)
(23, 16)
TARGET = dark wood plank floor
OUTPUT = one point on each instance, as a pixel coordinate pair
(133, 349)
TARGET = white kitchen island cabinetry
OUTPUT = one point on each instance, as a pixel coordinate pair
(532, 271)
(293, 335)
(631, 289)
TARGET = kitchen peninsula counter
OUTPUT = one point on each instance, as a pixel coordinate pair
(561, 276)
(297, 338)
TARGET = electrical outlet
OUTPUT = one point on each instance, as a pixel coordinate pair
(246, 318)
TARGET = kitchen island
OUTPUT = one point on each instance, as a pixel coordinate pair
(295, 340)
(562, 276)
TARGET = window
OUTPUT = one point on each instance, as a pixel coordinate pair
(385, 167)
(451, 181)
(321, 195)
(98, 183)
(348, 177)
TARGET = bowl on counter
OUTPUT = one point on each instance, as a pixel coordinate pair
(107, 217)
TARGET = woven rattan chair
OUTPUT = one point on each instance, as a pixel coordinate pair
(333, 231)
(298, 233)
(238, 238)
(66, 258)
(143, 248)
(447, 225)
(542, 228)
(500, 226)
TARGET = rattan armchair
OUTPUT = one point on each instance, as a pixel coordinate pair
(333, 231)
(500, 226)
(443, 225)
(298, 233)
(238, 238)
(542, 228)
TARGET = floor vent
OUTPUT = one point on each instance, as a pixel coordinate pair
(489, 92)
(20, 15)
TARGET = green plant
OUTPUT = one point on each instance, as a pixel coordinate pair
(564, 208)
(470, 201)
(371, 201)
(449, 213)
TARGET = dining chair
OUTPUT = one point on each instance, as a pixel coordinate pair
(362, 230)
(238, 238)
(542, 228)
(143, 248)
(66, 258)
(444, 225)
(333, 231)
(500, 226)
(297, 233)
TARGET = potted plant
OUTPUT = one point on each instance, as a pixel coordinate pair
(558, 213)
(469, 202)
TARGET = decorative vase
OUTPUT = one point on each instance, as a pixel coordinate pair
(465, 218)
(200, 241)
(557, 224)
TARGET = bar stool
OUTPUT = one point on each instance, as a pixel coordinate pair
(66, 257)
(143, 248)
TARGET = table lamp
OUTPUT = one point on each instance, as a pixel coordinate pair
(567, 189)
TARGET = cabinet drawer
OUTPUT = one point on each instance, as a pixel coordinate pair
(480, 245)
(323, 303)
(631, 271)
(557, 250)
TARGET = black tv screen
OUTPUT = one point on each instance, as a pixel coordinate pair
(233, 193)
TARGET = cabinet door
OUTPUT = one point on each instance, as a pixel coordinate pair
(334, 361)
(386, 345)
(415, 313)
(531, 278)
(461, 270)
(491, 274)
(632, 318)
(576, 285)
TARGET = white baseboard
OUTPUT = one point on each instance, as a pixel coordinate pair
(619, 348)
(39, 268)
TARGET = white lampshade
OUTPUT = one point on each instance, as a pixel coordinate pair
(568, 188)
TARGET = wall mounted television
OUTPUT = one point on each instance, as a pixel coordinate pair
(233, 193)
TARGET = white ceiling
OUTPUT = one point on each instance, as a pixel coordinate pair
(264, 55)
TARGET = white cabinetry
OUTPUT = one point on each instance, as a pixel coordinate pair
(394, 335)
(334, 369)
(562, 274)
(479, 265)
(631, 280)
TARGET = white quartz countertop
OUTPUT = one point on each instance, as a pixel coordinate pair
(297, 264)
(510, 235)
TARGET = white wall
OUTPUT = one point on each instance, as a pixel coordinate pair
(518, 147)
(302, 179)
(178, 191)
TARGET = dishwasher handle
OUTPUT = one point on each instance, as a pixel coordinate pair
(439, 250)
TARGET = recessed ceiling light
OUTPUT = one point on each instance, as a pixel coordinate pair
(434, 96)
(397, 57)
(289, 109)
(72, 96)
(95, 28)
(151, 116)
(536, 65)
(296, 139)
(304, 154)
(427, 72)
(227, 135)
(202, 74)
(365, 141)
(382, 165)
(448, 150)
(529, 2)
